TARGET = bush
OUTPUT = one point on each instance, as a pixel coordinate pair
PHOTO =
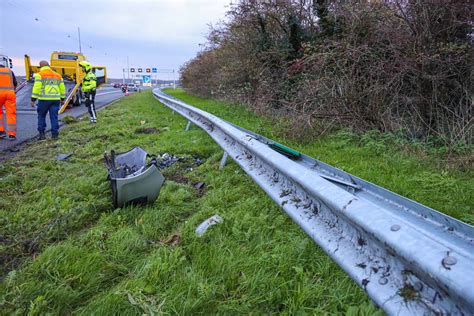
(387, 65)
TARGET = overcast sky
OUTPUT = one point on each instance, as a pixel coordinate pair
(153, 33)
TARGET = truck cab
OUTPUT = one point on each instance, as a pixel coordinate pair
(5, 60)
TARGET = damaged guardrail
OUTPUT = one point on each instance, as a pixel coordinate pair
(410, 259)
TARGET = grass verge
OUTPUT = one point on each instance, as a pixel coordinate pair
(64, 249)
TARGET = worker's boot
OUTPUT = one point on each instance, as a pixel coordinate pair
(11, 137)
(55, 137)
(3, 135)
(41, 136)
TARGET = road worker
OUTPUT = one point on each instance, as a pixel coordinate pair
(8, 85)
(50, 92)
(89, 85)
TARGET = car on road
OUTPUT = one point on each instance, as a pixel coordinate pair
(117, 85)
(132, 87)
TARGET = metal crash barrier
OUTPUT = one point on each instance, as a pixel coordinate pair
(133, 181)
(409, 258)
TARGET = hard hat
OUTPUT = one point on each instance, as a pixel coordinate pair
(87, 66)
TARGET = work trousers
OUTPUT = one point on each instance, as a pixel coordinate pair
(8, 100)
(90, 103)
(44, 107)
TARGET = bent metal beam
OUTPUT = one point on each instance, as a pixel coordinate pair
(409, 259)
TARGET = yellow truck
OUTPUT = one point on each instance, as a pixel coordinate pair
(67, 65)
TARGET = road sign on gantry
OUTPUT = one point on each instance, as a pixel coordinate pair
(132, 69)
(139, 70)
(154, 70)
(147, 81)
(148, 70)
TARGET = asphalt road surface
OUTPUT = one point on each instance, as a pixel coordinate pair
(26, 117)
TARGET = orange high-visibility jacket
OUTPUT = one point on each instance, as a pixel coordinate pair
(6, 79)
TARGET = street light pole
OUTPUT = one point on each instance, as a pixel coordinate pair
(79, 33)
(128, 70)
(174, 80)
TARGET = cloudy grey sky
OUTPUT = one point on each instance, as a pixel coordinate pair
(153, 33)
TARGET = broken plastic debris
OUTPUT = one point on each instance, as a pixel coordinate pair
(62, 157)
(167, 160)
(133, 180)
(199, 185)
(202, 228)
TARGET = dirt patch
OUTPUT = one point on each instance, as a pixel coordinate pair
(172, 240)
(18, 250)
(30, 247)
(147, 130)
(8, 262)
(177, 177)
(68, 119)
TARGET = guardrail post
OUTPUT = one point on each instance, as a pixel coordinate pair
(223, 160)
(188, 126)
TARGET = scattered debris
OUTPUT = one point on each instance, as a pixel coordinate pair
(202, 228)
(166, 160)
(62, 157)
(178, 172)
(142, 122)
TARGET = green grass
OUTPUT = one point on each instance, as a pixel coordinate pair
(68, 251)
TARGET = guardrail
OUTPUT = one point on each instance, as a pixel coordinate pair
(410, 259)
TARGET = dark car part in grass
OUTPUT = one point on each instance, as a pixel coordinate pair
(133, 181)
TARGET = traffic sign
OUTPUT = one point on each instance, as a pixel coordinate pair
(148, 70)
(140, 70)
(132, 69)
(147, 81)
(154, 70)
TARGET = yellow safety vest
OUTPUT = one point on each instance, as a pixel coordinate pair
(49, 85)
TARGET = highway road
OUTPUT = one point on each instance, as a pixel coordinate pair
(26, 116)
